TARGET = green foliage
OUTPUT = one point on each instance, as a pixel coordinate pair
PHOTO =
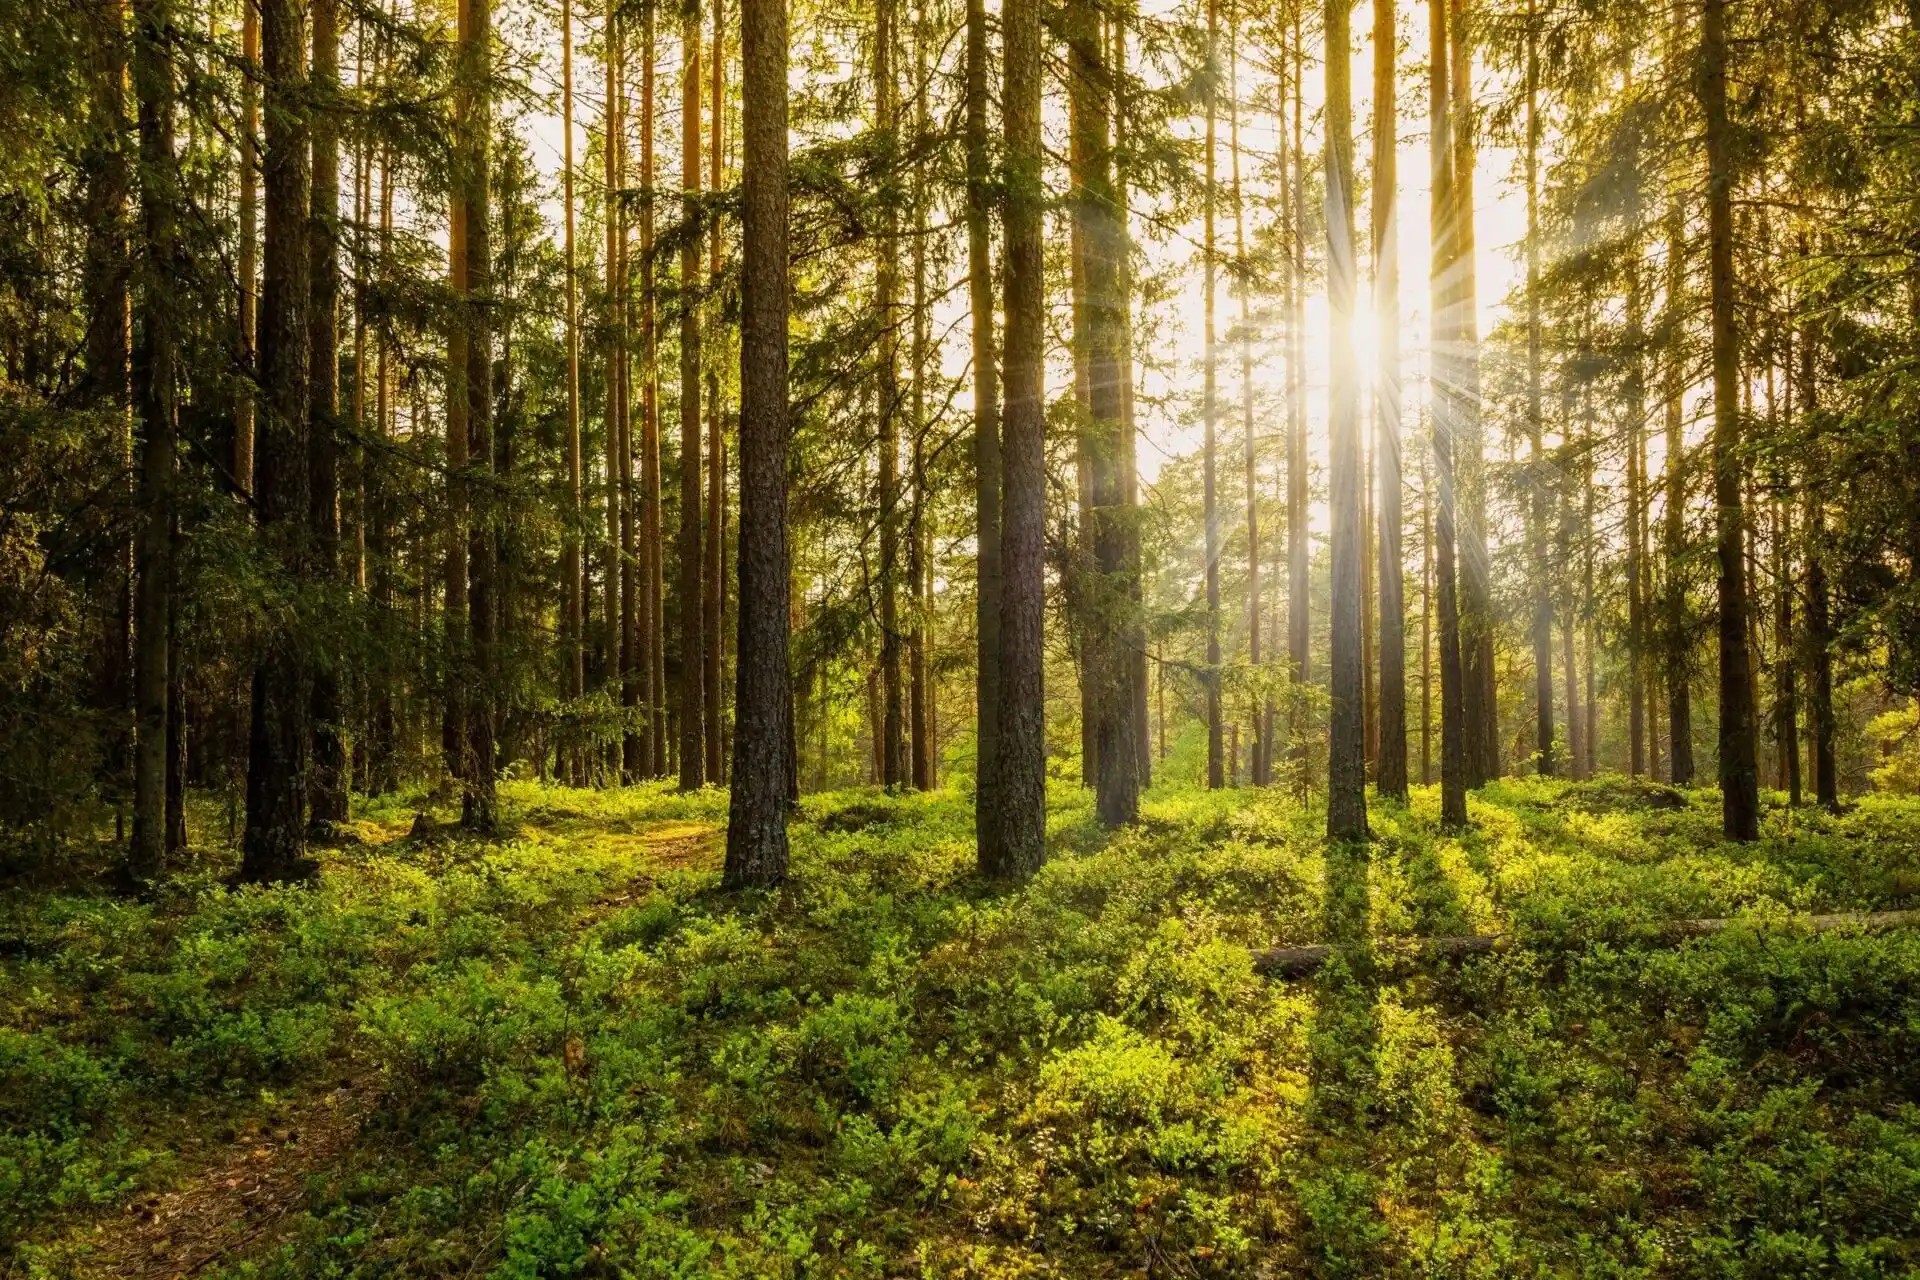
(582, 1059)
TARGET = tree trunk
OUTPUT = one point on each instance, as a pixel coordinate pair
(327, 785)
(1475, 581)
(479, 809)
(1390, 767)
(1826, 779)
(1542, 570)
(1678, 650)
(714, 585)
(1258, 764)
(154, 374)
(1299, 545)
(986, 431)
(653, 579)
(1739, 774)
(1019, 804)
(573, 673)
(1346, 750)
(919, 567)
(274, 844)
(1444, 226)
(693, 638)
(1635, 522)
(893, 747)
(1129, 461)
(243, 402)
(763, 696)
(1210, 412)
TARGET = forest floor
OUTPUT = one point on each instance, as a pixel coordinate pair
(569, 1053)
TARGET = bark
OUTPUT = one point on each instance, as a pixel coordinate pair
(1475, 582)
(1110, 591)
(274, 843)
(1542, 569)
(573, 672)
(1210, 412)
(1346, 750)
(479, 808)
(327, 784)
(1826, 779)
(893, 747)
(693, 637)
(1678, 651)
(714, 584)
(1129, 462)
(986, 430)
(1390, 765)
(1739, 773)
(918, 548)
(1299, 547)
(1258, 770)
(1445, 410)
(1018, 804)
(154, 376)
(243, 403)
(763, 696)
(1636, 541)
(653, 605)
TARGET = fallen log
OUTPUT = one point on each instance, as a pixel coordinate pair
(1297, 962)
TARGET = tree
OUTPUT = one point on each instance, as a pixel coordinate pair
(1346, 747)
(479, 809)
(986, 429)
(153, 394)
(1739, 766)
(693, 638)
(763, 698)
(1390, 768)
(573, 673)
(327, 786)
(1444, 415)
(1541, 567)
(1210, 413)
(1018, 799)
(274, 845)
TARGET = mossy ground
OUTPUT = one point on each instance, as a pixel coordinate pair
(571, 1054)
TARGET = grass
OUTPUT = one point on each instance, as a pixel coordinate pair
(573, 1055)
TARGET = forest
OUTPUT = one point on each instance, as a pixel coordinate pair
(964, 638)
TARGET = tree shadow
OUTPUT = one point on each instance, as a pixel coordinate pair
(1336, 1189)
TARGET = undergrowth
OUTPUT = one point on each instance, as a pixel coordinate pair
(584, 1059)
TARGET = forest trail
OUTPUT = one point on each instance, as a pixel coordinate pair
(242, 1197)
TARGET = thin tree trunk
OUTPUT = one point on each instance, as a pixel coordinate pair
(1446, 398)
(479, 810)
(274, 844)
(327, 785)
(248, 265)
(1299, 547)
(763, 698)
(1636, 507)
(1019, 804)
(1826, 778)
(1210, 412)
(714, 586)
(1390, 760)
(893, 751)
(918, 567)
(1258, 770)
(573, 673)
(1537, 488)
(653, 604)
(986, 433)
(154, 375)
(1739, 776)
(1426, 618)
(1678, 651)
(693, 638)
(1346, 751)
(1129, 461)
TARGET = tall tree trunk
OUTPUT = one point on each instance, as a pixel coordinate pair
(893, 747)
(1475, 570)
(1826, 778)
(479, 809)
(241, 462)
(1082, 561)
(1258, 769)
(1678, 651)
(986, 430)
(154, 374)
(1210, 413)
(714, 584)
(633, 753)
(1426, 618)
(1117, 781)
(1018, 805)
(1739, 772)
(327, 784)
(274, 844)
(1129, 461)
(918, 567)
(1636, 541)
(1542, 572)
(1346, 750)
(573, 672)
(1299, 544)
(763, 696)
(1390, 767)
(1445, 413)
(693, 637)
(653, 604)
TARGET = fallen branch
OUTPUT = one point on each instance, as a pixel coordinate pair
(1297, 962)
